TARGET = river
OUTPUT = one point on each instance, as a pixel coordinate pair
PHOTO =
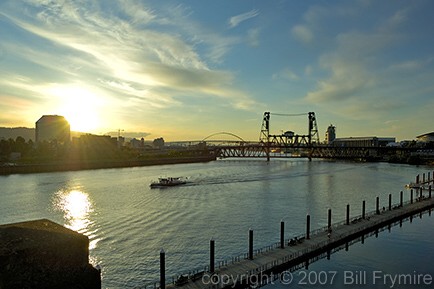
(128, 223)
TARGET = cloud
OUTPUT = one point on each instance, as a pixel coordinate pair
(303, 33)
(129, 58)
(286, 74)
(354, 64)
(253, 37)
(348, 78)
(234, 21)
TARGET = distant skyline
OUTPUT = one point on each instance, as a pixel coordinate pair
(183, 70)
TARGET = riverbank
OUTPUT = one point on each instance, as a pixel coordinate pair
(92, 165)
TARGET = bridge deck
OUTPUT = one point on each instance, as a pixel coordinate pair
(279, 259)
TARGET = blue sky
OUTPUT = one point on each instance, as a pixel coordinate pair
(183, 70)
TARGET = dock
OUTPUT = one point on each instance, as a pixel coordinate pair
(258, 267)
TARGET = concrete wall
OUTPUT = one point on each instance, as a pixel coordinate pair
(43, 254)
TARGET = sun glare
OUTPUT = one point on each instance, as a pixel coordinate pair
(76, 207)
(80, 106)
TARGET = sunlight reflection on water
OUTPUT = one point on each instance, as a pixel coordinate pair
(76, 207)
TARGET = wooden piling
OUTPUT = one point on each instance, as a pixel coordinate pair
(162, 269)
(363, 209)
(282, 234)
(348, 214)
(377, 201)
(211, 256)
(250, 244)
(411, 196)
(390, 202)
(329, 223)
(401, 199)
(308, 226)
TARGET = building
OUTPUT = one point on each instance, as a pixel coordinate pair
(428, 137)
(52, 127)
(363, 141)
(95, 141)
(330, 134)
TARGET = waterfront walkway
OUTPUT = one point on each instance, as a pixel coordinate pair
(262, 264)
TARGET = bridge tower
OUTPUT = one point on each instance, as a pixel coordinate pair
(264, 137)
(288, 138)
(265, 128)
(313, 129)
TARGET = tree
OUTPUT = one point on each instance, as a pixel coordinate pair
(158, 143)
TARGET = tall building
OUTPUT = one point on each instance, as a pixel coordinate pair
(330, 134)
(53, 127)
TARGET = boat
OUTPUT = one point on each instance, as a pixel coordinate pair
(168, 182)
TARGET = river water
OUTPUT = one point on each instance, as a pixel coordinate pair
(128, 223)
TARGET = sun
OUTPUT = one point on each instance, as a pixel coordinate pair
(80, 106)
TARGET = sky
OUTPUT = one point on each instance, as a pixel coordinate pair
(186, 69)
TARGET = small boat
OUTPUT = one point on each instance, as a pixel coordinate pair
(168, 182)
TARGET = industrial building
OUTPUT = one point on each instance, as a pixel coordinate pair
(428, 137)
(52, 127)
(372, 141)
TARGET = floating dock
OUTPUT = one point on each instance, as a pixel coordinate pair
(258, 266)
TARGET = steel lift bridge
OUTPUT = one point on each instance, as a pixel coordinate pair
(291, 145)
(287, 144)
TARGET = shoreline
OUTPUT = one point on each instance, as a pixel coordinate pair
(112, 164)
(94, 165)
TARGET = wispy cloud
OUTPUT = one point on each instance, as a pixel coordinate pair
(302, 33)
(124, 56)
(286, 74)
(234, 21)
(357, 70)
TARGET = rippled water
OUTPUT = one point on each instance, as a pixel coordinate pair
(128, 223)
